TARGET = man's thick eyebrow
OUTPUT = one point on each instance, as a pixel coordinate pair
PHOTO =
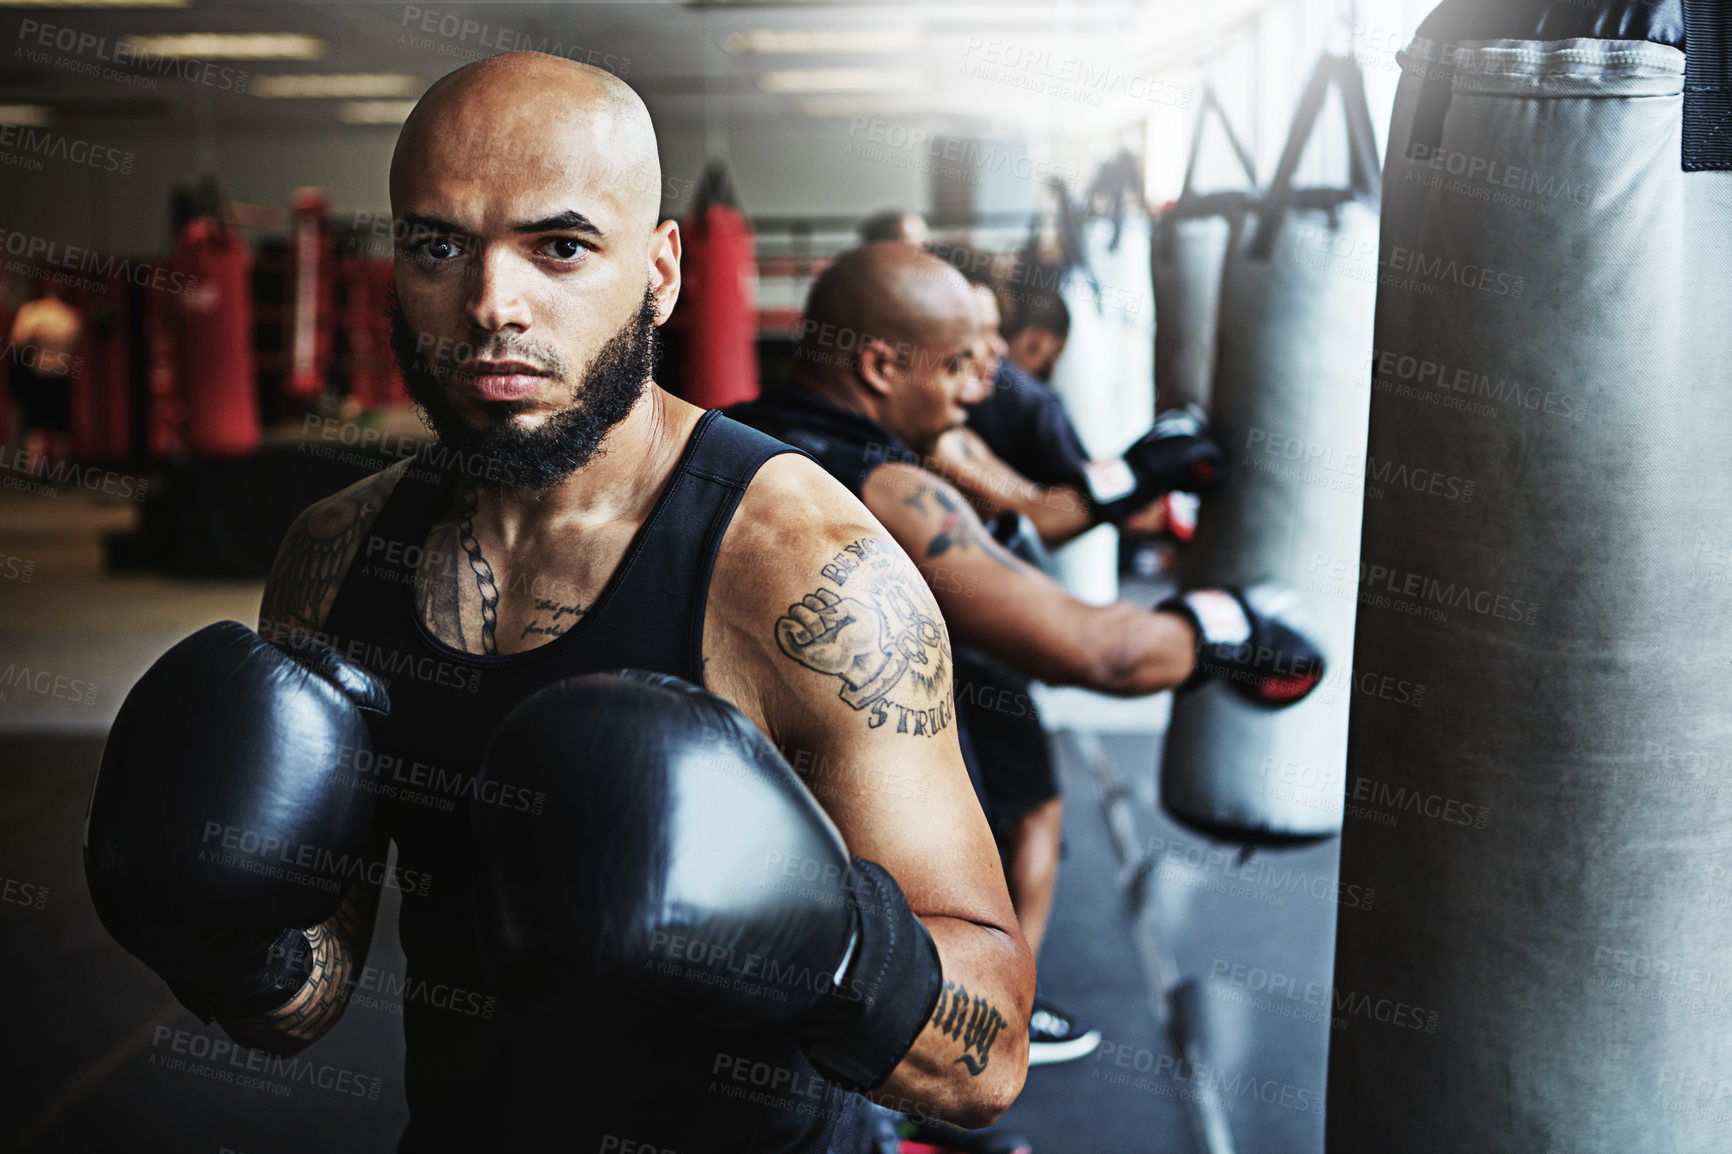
(422, 223)
(568, 221)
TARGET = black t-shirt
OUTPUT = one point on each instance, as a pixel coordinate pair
(847, 444)
(1024, 423)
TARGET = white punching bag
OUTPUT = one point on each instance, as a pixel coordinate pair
(1105, 376)
(1297, 299)
(1554, 825)
(1190, 248)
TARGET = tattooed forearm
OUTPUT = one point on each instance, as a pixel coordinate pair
(971, 1020)
(957, 527)
(336, 953)
(878, 631)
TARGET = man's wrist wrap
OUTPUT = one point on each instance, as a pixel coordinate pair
(886, 993)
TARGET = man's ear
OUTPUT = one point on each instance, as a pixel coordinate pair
(877, 366)
(664, 258)
(1047, 347)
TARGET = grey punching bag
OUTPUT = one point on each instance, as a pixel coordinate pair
(1552, 827)
(1297, 300)
(1190, 246)
(1105, 376)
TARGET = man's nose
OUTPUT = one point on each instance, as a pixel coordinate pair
(496, 297)
(974, 387)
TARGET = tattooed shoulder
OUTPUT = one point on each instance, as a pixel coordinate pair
(316, 552)
(872, 624)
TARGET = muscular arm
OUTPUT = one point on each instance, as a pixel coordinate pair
(997, 604)
(825, 635)
(315, 554)
(1058, 512)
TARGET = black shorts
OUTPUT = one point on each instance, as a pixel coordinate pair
(996, 708)
(46, 401)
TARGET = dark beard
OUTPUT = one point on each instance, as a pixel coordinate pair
(533, 460)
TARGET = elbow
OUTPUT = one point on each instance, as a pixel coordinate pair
(1115, 668)
(989, 1098)
(971, 1102)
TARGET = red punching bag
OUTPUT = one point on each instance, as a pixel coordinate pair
(101, 400)
(373, 379)
(213, 340)
(6, 362)
(719, 297)
(311, 288)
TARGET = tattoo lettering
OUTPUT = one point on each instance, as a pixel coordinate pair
(875, 632)
(972, 1020)
(552, 629)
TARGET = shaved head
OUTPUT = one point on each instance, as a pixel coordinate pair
(532, 265)
(889, 290)
(892, 332)
(529, 115)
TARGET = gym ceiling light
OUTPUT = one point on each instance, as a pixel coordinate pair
(788, 41)
(375, 111)
(27, 115)
(802, 80)
(329, 85)
(229, 46)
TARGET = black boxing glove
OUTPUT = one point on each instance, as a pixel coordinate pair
(1178, 454)
(677, 856)
(220, 820)
(1264, 659)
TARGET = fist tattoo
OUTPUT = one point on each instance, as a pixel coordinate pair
(836, 636)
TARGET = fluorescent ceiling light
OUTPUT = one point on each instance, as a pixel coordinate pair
(775, 41)
(824, 107)
(326, 85)
(26, 115)
(841, 80)
(95, 3)
(375, 111)
(229, 46)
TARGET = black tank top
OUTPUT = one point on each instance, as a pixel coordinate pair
(658, 1077)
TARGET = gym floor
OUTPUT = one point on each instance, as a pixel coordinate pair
(99, 1054)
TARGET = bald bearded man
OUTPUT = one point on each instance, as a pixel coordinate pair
(888, 361)
(574, 517)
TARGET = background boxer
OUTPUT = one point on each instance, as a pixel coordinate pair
(46, 335)
(891, 355)
(889, 360)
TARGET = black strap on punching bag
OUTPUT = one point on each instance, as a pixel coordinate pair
(1365, 174)
(1190, 205)
(1707, 87)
